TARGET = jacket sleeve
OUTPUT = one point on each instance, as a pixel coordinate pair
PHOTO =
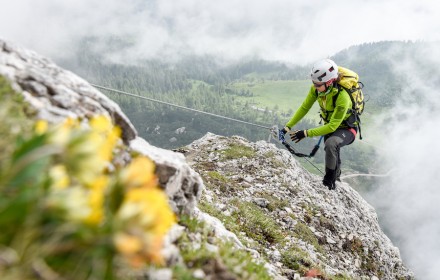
(343, 104)
(303, 109)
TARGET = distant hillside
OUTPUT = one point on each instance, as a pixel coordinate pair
(253, 90)
(384, 66)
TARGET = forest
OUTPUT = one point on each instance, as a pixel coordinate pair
(205, 84)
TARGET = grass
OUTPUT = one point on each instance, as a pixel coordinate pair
(303, 232)
(286, 94)
(236, 151)
(217, 176)
(15, 123)
(274, 162)
(250, 219)
(227, 261)
(296, 259)
(274, 202)
(215, 180)
(257, 224)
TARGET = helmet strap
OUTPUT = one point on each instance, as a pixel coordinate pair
(328, 88)
(329, 83)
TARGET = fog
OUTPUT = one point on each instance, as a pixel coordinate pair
(296, 31)
(408, 201)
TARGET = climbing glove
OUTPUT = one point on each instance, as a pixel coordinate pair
(298, 135)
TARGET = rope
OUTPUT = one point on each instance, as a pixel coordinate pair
(313, 165)
(178, 106)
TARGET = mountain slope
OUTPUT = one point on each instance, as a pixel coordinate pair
(284, 213)
(281, 221)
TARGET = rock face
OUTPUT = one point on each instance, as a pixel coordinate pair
(182, 184)
(56, 94)
(338, 230)
(254, 194)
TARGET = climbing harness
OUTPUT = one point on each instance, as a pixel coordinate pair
(278, 135)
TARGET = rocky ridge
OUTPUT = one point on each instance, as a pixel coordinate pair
(337, 231)
(253, 194)
(55, 94)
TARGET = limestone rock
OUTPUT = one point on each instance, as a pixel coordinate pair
(344, 226)
(56, 93)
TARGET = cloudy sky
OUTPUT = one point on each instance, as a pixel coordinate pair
(297, 31)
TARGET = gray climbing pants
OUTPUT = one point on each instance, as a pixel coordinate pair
(333, 142)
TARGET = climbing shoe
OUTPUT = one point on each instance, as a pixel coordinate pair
(329, 179)
(329, 185)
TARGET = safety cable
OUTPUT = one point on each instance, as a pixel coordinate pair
(178, 106)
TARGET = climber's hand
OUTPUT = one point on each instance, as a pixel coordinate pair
(298, 135)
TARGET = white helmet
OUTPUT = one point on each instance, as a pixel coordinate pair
(324, 71)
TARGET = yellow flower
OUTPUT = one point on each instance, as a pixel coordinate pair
(101, 124)
(74, 200)
(145, 212)
(59, 176)
(154, 250)
(62, 133)
(96, 197)
(41, 127)
(84, 205)
(127, 244)
(140, 173)
(109, 143)
(150, 208)
(83, 157)
(110, 135)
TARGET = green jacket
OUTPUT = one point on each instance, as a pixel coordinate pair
(333, 115)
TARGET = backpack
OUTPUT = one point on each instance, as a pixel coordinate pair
(350, 82)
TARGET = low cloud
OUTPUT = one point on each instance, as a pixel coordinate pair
(297, 31)
(409, 200)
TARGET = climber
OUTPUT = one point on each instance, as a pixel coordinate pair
(336, 109)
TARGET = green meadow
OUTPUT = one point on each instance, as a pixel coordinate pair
(284, 96)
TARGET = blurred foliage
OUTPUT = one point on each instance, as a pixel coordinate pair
(70, 207)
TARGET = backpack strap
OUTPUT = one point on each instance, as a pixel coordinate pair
(354, 114)
(335, 97)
